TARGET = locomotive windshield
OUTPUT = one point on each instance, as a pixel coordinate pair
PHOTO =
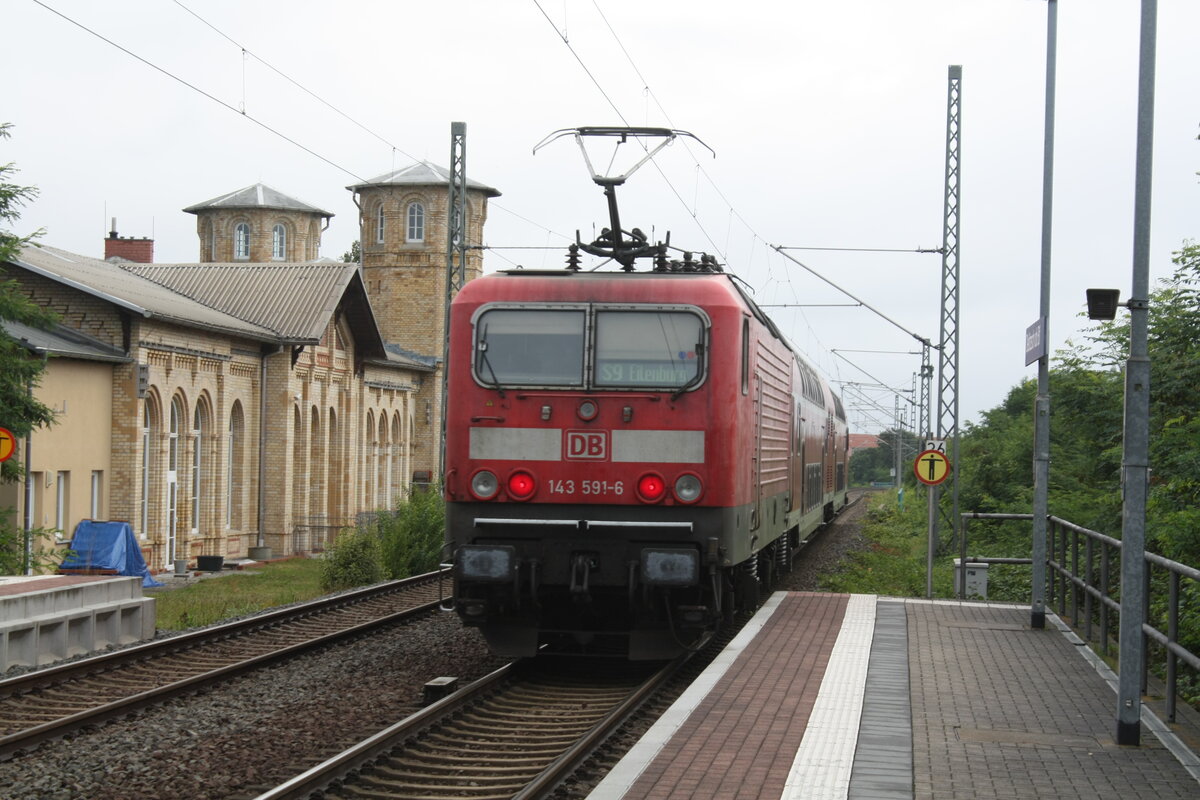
(647, 348)
(534, 347)
(625, 348)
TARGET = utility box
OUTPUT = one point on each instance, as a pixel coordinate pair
(977, 577)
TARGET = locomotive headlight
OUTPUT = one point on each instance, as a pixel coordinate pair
(521, 485)
(651, 487)
(484, 485)
(587, 410)
(495, 563)
(670, 566)
(688, 488)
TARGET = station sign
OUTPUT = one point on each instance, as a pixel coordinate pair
(1035, 341)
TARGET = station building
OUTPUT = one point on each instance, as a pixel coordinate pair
(253, 402)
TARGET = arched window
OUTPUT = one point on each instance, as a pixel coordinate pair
(316, 467)
(379, 229)
(279, 243)
(173, 448)
(333, 465)
(382, 466)
(233, 477)
(395, 468)
(369, 461)
(198, 426)
(299, 469)
(150, 425)
(241, 241)
(416, 222)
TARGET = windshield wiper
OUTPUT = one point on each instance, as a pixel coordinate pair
(482, 348)
(695, 379)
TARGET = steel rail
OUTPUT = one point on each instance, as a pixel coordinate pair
(570, 760)
(30, 737)
(321, 777)
(185, 641)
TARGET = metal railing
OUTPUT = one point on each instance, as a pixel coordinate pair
(316, 534)
(1095, 585)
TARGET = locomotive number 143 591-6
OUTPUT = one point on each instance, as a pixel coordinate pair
(586, 487)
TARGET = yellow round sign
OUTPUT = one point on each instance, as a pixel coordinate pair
(931, 467)
(8, 443)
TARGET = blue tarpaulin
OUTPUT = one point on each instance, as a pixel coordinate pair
(107, 545)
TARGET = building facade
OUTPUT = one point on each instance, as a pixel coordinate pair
(237, 406)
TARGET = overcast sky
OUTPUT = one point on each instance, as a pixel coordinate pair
(828, 120)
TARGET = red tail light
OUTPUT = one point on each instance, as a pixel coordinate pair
(651, 488)
(521, 486)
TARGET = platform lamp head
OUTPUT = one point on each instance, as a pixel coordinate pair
(1103, 303)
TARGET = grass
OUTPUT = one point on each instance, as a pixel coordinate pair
(894, 560)
(241, 593)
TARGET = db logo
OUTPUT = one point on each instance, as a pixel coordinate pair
(588, 445)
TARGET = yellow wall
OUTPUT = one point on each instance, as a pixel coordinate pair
(65, 455)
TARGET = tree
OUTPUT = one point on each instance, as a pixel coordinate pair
(875, 464)
(1085, 443)
(354, 254)
(20, 412)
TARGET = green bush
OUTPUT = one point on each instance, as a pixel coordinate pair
(12, 547)
(412, 535)
(355, 559)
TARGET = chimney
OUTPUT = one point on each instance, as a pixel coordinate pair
(129, 249)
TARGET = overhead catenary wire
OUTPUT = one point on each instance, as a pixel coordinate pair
(294, 82)
(937, 250)
(567, 42)
(687, 146)
(923, 340)
(872, 377)
(394, 147)
(244, 113)
(198, 90)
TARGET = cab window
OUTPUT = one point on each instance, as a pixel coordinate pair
(531, 347)
(648, 349)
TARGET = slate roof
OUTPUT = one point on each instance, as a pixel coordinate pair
(422, 173)
(258, 195)
(295, 301)
(110, 282)
(278, 303)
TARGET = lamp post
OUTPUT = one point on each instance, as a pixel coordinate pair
(1041, 415)
(1135, 459)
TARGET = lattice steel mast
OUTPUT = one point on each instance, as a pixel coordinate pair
(456, 254)
(947, 399)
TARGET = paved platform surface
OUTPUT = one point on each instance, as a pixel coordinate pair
(852, 696)
(22, 584)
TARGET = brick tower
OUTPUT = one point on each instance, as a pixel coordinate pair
(403, 239)
(258, 224)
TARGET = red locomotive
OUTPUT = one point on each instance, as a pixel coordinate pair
(629, 455)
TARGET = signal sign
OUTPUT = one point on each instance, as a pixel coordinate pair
(931, 467)
(8, 443)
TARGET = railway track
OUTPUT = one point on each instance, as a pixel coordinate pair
(48, 703)
(515, 733)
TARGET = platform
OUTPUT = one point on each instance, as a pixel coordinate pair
(46, 618)
(851, 696)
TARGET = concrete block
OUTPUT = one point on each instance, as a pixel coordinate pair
(119, 615)
(80, 632)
